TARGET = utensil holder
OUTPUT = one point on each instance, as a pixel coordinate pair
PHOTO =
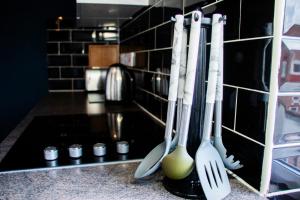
(190, 187)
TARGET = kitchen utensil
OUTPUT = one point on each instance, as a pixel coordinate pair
(228, 161)
(209, 165)
(153, 160)
(180, 91)
(119, 83)
(179, 164)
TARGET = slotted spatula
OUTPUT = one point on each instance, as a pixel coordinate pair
(209, 165)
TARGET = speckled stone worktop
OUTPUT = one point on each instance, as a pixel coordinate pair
(101, 181)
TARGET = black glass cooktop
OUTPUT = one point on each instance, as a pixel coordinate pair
(137, 128)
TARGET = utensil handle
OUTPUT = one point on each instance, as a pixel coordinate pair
(212, 75)
(176, 48)
(219, 90)
(182, 69)
(192, 58)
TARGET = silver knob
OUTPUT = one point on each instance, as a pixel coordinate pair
(50, 153)
(122, 147)
(99, 149)
(75, 151)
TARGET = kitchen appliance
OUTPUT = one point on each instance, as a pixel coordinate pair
(61, 131)
(95, 79)
(119, 84)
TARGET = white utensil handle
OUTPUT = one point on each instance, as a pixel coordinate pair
(176, 49)
(219, 92)
(192, 58)
(214, 59)
(182, 69)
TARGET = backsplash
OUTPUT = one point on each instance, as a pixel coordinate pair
(247, 62)
(67, 51)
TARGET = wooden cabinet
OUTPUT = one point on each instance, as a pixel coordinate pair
(103, 55)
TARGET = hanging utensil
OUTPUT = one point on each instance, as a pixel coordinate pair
(218, 143)
(209, 165)
(179, 164)
(180, 91)
(153, 160)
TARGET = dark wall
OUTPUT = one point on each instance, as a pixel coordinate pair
(23, 60)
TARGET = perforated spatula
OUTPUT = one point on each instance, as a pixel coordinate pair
(209, 165)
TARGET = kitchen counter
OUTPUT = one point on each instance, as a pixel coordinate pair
(97, 181)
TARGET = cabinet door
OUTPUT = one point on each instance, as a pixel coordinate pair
(103, 55)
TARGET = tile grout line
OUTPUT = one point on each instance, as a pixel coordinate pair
(134, 19)
(242, 135)
(244, 88)
(154, 27)
(152, 72)
(235, 108)
(155, 95)
(289, 191)
(240, 18)
(216, 2)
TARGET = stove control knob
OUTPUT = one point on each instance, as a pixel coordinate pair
(75, 151)
(50, 153)
(99, 149)
(122, 147)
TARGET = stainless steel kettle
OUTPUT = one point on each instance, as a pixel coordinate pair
(119, 84)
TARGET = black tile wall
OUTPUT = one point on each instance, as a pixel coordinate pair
(60, 84)
(70, 48)
(59, 60)
(164, 35)
(53, 72)
(156, 14)
(142, 60)
(72, 72)
(79, 84)
(80, 60)
(256, 15)
(67, 50)
(246, 62)
(58, 35)
(249, 153)
(229, 99)
(52, 48)
(252, 105)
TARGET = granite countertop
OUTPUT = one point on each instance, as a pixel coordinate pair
(100, 181)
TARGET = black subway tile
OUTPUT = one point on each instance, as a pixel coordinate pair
(59, 60)
(164, 35)
(60, 84)
(247, 63)
(52, 48)
(257, 18)
(142, 60)
(250, 155)
(155, 60)
(83, 35)
(80, 60)
(156, 14)
(79, 84)
(61, 35)
(71, 48)
(53, 73)
(191, 5)
(229, 97)
(252, 105)
(72, 72)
